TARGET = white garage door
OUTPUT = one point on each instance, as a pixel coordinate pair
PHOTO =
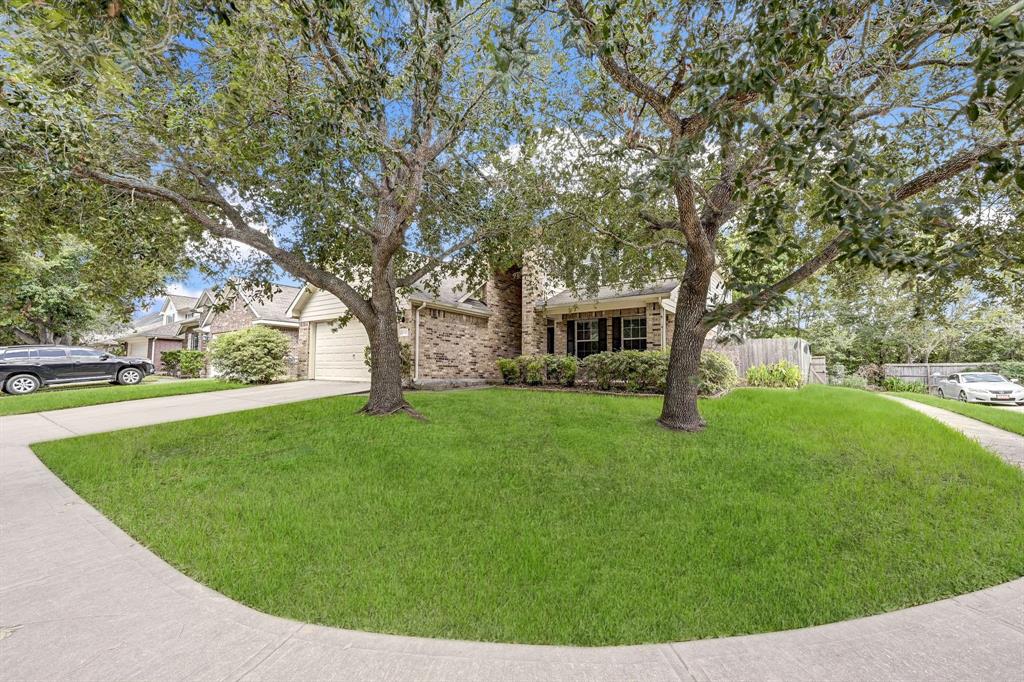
(338, 355)
(137, 349)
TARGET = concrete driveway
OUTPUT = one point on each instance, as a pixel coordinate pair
(81, 600)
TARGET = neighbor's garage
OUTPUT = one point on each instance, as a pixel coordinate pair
(334, 354)
(339, 355)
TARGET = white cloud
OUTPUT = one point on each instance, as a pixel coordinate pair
(182, 289)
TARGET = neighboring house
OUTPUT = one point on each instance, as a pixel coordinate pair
(157, 332)
(208, 319)
(456, 333)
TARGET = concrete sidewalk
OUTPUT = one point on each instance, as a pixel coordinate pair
(1007, 445)
(80, 600)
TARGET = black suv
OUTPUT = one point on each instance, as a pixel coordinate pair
(23, 369)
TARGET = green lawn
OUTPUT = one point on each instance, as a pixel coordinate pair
(990, 414)
(58, 399)
(562, 518)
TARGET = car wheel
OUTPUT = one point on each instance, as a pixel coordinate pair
(963, 397)
(129, 376)
(942, 396)
(22, 384)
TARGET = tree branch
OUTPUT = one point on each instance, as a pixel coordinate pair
(436, 261)
(951, 168)
(239, 231)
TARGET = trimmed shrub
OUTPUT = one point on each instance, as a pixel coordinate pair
(781, 374)
(896, 384)
(509, 369)
(567, 367)
(404, 349)
(191, 363)
(254, 355)
(534, 371)
(717, 373)
(187, 364)
(170, 360)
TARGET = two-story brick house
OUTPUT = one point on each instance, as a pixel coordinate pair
(208, 320)
(458, 332)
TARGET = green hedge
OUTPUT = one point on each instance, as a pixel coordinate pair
(535, 370)
(781, 374)
(633, 371)
(254, 355)
(187, 364)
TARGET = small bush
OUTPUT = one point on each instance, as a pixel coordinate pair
(852, 381)
(896, 384)
(170, 360)
(254, 355)
(873, 373)
(187, 364)
(717, 373)
(781, 374)
(535, 371)
(567, 369)
(404, 349)
(191, 363)
(509, 369)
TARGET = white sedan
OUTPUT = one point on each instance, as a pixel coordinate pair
(981, 387)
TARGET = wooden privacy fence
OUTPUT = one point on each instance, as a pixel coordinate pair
(751, 352)
(925, 372)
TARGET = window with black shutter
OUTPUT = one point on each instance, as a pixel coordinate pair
(634, 333)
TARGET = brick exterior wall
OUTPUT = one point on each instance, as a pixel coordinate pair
(455, 346)
(238, 316)
(159, 346)
(652, 311)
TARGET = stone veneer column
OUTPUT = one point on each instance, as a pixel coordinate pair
(534, 322)
(653, 312)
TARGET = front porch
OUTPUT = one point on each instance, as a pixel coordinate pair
(644, 326)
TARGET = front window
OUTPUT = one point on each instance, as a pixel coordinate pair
(634, 333)
(85, 353)
(979, 377)
(193, 341)
(586, 338)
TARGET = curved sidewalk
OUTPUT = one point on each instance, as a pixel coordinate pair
(80, 600)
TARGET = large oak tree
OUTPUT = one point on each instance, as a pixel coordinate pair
(769, 139)
(342, 141)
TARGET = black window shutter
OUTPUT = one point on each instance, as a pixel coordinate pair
(570, 337)
(551, 340)
(602, 334)
(616, 333)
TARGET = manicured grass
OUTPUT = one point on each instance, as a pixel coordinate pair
(997, 416)
(548, 517)
(48, 399)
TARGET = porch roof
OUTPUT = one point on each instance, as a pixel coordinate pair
(605, 296)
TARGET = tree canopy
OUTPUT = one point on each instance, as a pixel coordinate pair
(342, 141)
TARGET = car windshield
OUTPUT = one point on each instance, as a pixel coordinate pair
(980, 377)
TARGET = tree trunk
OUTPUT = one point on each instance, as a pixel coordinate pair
(679, 410)
(385, 367)
(385, 349)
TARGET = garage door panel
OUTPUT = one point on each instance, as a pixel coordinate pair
(338, 355)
